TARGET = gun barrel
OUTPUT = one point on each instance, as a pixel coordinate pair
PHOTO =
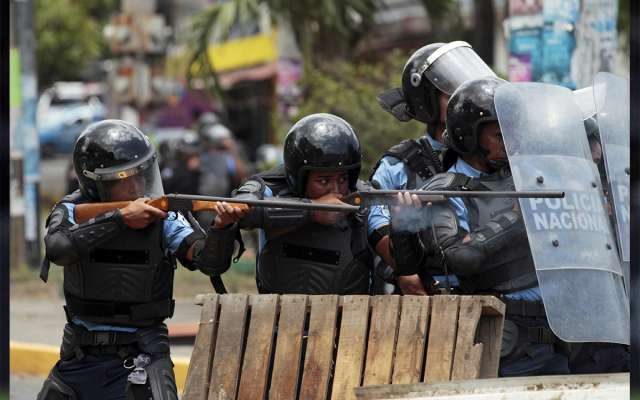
(469, 193)
(183, 201)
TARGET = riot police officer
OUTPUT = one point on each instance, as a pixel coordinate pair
(429, 78)
(480, 245)
(118, 271)
(304, 252)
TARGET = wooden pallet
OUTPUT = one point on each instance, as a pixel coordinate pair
(322, 347)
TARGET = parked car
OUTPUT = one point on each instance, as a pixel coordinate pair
(64, 110)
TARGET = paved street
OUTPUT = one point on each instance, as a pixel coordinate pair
(24, 387)
(41, 321)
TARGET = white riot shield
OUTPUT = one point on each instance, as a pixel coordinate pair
(571, 241)
(611, 94)
(584, 99)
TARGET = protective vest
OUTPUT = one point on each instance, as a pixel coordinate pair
(420, 159)
(314, 259)
(512, 269)
(126, 281)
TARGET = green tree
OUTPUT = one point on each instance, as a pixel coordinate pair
(69, 37)
(350, 91)
(326, 30)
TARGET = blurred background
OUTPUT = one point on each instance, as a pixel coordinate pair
(216, 85)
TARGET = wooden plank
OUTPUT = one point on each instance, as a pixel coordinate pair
(442, 338)
(286, 363)
(565, 387)
(197, 382)
(318, 357)
(490, 335)
(382, 340)
(468, 355)
(351, 347)
(411, 340)
(226, 360)
(255, 367)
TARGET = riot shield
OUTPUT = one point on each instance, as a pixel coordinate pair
(611, 94)
(571, 241)
(584, 99)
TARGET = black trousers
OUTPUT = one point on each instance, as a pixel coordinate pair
(529, 348)
(88, 372)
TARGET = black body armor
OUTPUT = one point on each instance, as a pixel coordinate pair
(319, 260)
(125, 279)
(497, 258)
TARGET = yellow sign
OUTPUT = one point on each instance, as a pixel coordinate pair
(244, 52)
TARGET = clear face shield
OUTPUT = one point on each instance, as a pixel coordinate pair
(131, 181)
(452, 65)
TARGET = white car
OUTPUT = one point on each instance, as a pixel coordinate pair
(64, 110)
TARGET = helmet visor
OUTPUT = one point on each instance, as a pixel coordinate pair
(453, 64)
(129, 182)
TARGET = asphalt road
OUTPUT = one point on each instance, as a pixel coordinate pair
(24, 387)
(42, 321)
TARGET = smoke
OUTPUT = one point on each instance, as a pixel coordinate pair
(410, 219)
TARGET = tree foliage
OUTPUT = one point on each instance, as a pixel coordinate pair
(69, 37)
(350, 91)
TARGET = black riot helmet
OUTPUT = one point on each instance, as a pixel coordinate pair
(433, 69)
(115, 161)
(420, 94)
(320, 142)
(470, 106)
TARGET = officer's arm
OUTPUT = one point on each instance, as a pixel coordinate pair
(269, 218)
(66, 243)
(379, 218)
(212, 253)
(467, 253)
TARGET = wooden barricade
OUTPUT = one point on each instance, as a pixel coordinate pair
(323, 347)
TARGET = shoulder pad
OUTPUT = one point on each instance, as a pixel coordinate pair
(275, 178)
(58, 216)
(395, 154)
(252, 186)
(401, 150)
(446, 181)
(76, 198)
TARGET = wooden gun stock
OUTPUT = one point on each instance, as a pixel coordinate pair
(86, 211)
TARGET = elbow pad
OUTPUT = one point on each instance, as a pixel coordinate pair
(213, 255)
(442, 230)
(66, 245)
(501, 231)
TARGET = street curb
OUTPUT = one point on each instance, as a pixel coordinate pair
(38, 359)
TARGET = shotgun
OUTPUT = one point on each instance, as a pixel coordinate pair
(353, 202)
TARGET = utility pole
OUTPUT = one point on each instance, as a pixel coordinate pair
(26, 136)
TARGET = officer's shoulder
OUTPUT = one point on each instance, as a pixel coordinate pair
(444, 181)
(75, 197)
(398, 152)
